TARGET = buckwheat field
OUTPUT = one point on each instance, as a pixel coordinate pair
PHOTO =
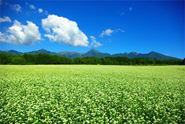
(92, 94)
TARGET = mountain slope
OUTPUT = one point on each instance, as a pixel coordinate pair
(69, 54)
(42, 51)
(150, 55)
(14, 52)
(156, 55)
(39, 51)
(96, 53)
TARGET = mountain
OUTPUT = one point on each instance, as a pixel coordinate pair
(150, 55)
(69, 54)
(42, 51)
(96, 53)
(39, 51)
(14, 52)
(156, 55)
(92, 53)
(129, 55)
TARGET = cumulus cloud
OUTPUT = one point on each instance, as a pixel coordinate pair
(21, 34)
(16, 7)
(63, 30)
(30, 5)
(106, 32)
(40, 10)
(94, 42)
(5, 19)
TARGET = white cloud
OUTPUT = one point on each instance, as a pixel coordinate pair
(21, 34)
(63, 30)
(1, 37)
(5, 19)
(106, 32)
(130, 8)
(117, 30)
(30, 5)
(94, 42)
(16, 7)
(40, 10)
(92, 38)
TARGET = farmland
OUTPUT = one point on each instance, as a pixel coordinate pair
(92, 94)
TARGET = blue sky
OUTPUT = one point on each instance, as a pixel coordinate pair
(107, 26)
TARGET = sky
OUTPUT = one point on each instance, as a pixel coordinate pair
(107, 26)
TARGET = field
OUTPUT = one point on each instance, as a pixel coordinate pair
(92, 94)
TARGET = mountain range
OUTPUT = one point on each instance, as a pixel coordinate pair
(96, 53)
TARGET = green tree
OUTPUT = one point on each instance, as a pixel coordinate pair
(5, 58)
(18, 60)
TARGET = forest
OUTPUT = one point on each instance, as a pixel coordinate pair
(42, 58)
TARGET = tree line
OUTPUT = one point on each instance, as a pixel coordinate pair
(42, 58)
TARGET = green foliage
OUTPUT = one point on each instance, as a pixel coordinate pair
(183, 63)
(92, 94)
(17, 60)
(5, 58)
(44, 58)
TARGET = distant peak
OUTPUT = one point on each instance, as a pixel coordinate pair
(93, 50)
(135, 53)
(42, 50)
(11, 50)
(152, 52)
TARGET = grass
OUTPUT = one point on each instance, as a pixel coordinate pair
(92, 94)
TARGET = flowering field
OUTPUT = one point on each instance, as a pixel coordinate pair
(92, 94)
